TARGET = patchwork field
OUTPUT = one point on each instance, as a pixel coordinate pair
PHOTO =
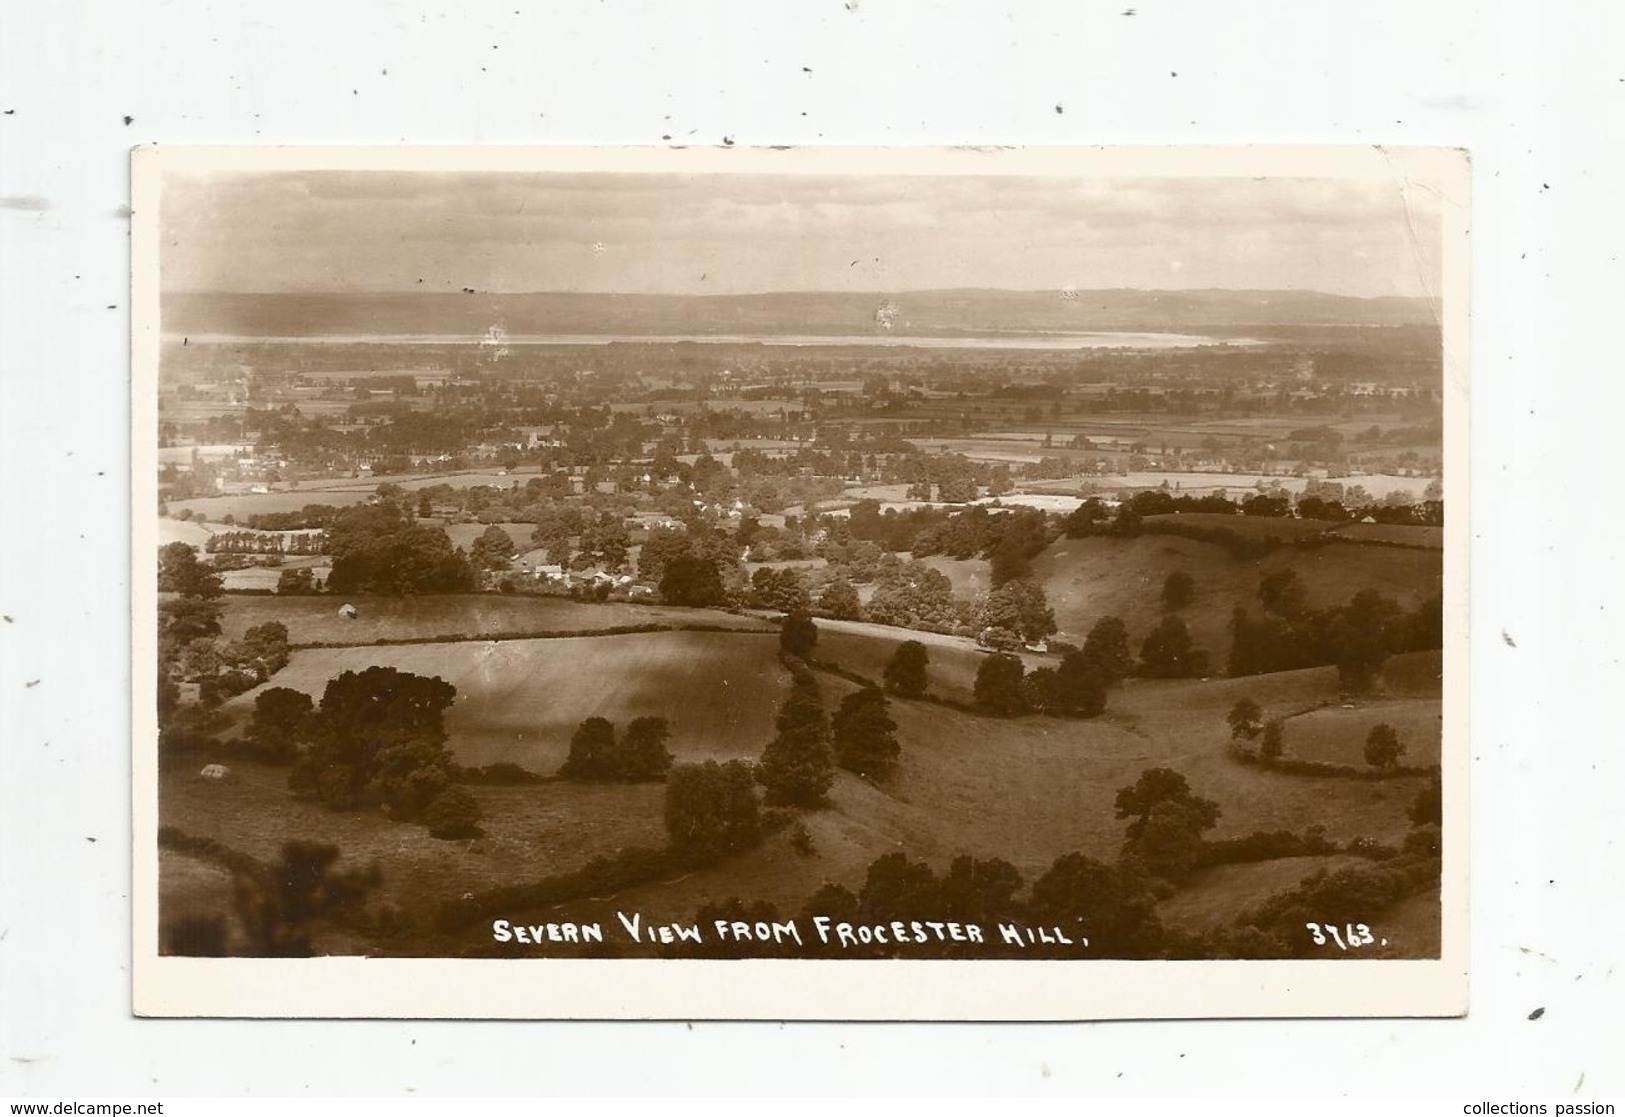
(520, 700)
(1031, 789)
(316, 620)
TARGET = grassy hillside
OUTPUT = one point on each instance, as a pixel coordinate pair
(1031, 789)
(866, 648)
(1087, 579)
(520, 700)
(316, 620)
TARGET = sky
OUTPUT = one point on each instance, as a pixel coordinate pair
(379, 231)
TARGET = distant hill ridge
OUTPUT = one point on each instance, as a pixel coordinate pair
(945, 313)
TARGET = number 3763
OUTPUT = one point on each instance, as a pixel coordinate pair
(1351, 936)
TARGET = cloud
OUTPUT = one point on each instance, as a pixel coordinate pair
(502, 231)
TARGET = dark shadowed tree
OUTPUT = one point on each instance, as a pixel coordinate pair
(864, 734)
(1168, 653)
(1272, 744)
(493, 550)
(690, 580)
(1383, 748)
(998, 685)
(454, 813)
(1107, 646)
(798, 635)
(280, 724)
(711, 810)
(1246, 718)
(1080, 686)
(592, 751)
(1110, 905)
(279, 906)
(1167, 822)
(644, 755)
(798, 765)
(1282, 593)
(179, 571)
(1178, 591)
(378, 738)
(905, 671)
(840, 601)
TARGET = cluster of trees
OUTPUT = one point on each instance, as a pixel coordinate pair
(1015, 613)
(639, 755)
(376, 740)
(188, 611)
(1357, 637)
(1075, 688)
(223, 669)
(1318, 502)
(267, 543)
(379, 548)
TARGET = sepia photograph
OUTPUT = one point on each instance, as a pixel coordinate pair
(844, 583)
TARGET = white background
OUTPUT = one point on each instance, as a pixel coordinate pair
(1535, 90)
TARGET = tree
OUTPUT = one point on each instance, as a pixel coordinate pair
(1080, 686)
(1167, 822)
(1110, 905)
(840, 601)
(1107, 647)
(493, 550)
(798, 635)
(689, 580)
(998, 685)
(711, 810)
(1167, 652)
(454, 813)
(1360, 637)
(1283, 594)
(1040, 691)
(378, 738)
(279, 905)
(281, 723)
(905, 671)
(798, 766)
(643, 748)
(592, 751)
(1246, 719)
(1428, 807)
(1383, 748)
(1178, 591)
(296, 582)
(179, 571)
(864, 734)
(1272, 745)
(1021, 607)
(377, 548)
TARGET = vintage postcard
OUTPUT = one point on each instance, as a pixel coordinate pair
(834, 583)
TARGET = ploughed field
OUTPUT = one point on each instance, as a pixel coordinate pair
(316, 620)
(519, 701)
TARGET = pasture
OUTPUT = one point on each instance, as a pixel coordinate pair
(1087, 579)
(866, 648)
(1334, 735)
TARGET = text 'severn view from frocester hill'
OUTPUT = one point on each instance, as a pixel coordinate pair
(772, 565)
